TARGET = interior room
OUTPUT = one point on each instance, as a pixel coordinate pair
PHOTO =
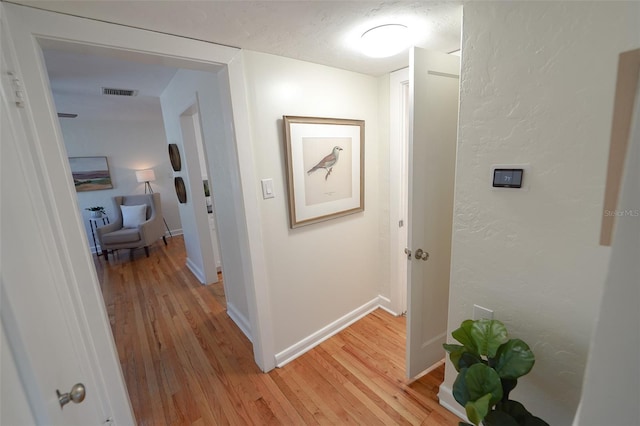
(536, 85)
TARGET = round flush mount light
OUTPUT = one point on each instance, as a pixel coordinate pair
(385, 40)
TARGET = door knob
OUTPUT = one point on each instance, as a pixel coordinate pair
(421, 254)
(76, 395)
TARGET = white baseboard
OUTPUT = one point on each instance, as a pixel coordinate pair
(445, 395)
(174, 232)
(324, 333)
(240, 320)
(385, 304)
(196, 271)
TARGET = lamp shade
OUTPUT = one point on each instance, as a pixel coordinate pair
(145, 175)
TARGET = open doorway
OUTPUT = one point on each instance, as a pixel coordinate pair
(129, 133)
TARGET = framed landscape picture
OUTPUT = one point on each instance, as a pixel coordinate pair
(325, 168)
(90, 173)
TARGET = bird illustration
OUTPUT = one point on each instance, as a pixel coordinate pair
(327, 162)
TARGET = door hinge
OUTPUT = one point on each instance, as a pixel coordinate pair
(18, 91)
(400, 223)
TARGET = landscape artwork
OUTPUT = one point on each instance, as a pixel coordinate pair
(90, 173)
(325, 168)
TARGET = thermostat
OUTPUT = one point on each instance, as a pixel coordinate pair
(507, 178)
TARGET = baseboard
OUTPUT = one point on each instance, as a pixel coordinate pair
(196, 271)
(240, 320)
(174, 232)
(445, 395)
(324, 333)
(385, 304)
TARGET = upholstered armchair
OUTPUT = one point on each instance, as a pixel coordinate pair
(138, 223)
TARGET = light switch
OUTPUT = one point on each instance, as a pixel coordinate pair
(267, 188)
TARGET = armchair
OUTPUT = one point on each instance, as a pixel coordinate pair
(130, 232)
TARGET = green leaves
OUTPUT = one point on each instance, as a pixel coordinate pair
(481, 337)
(488, 335)
(475, 382)
(514, 359)
(477, 410)
(488, 365)
(463, 335)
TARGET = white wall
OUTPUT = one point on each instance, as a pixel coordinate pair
(129, 146)
(537, 87)
(180, 94)
(321, 272)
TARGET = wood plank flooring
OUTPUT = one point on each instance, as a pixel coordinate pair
(186, 363)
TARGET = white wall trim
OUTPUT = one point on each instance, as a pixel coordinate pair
(397, 191)
(449, 402)
(326, 332)
(174, 232)
(386, 305)
(240, 320)
(195, 270)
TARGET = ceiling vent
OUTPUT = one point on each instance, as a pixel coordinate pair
(66, 115)
(118, 92)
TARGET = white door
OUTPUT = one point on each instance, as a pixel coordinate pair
(433, 114)
(43, 339)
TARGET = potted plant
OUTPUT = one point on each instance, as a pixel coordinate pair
(489, 364)
(96, 211)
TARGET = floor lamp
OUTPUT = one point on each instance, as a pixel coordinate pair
(147, 176)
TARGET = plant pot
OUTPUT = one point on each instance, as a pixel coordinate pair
(96, 215)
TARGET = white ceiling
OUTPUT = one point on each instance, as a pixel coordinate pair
(77, 80)
(323, 32)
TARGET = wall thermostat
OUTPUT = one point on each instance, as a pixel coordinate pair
(507, 178)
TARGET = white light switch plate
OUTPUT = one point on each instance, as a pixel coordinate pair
(481, 313)
(267, 188)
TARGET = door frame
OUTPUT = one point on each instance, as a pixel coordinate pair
(398, 187)
(30, 29)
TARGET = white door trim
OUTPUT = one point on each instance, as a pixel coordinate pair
(30, 27)
(398, 187)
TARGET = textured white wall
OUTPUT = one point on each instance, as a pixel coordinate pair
(537, 87)
(320, 272)
(129, 146)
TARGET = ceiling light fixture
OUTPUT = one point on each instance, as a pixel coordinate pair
(384, 40)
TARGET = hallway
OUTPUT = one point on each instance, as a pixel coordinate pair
(186, 363)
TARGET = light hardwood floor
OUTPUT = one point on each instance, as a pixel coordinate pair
(186, 363)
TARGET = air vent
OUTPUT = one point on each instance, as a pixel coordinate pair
(118, 92)
(66, 115)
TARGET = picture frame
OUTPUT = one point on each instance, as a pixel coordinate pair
(90, 173)
(325, 168)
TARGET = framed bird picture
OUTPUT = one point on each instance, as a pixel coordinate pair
(325, 168)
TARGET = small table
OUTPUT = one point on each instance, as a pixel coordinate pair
(93, 224)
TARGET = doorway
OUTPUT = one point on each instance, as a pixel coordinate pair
(31, 30)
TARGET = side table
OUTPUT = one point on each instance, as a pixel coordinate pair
(94, 222)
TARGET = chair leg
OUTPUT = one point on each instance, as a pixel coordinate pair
(164, 239)
(131, 254)
(146, 250)
(105, 253)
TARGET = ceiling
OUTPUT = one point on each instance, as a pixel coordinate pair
(323, 32)
(77, 80)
